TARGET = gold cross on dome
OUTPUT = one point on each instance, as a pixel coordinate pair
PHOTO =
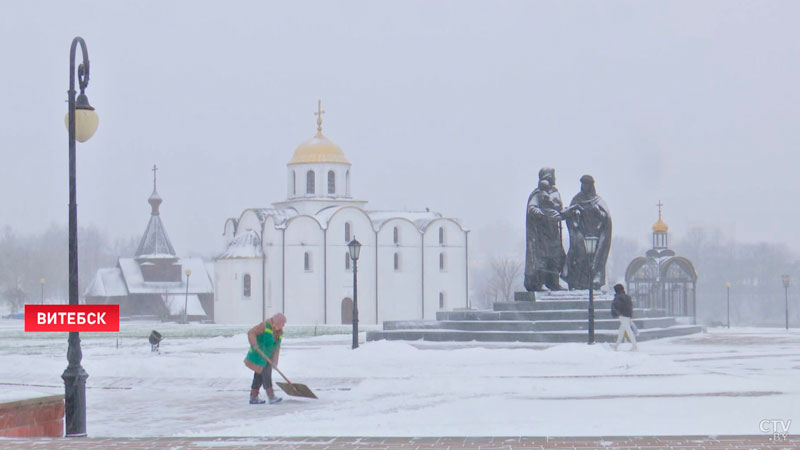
(319, 114)
(659, 204)
(154, 169)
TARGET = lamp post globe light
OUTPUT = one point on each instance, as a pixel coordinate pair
(728, 288)
(590, 244)
(787, 280)
(188, 273)
(81, 121)
(355, 249)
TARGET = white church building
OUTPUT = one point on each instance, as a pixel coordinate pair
(293, 257)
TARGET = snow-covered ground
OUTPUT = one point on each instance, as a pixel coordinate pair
(721, 382)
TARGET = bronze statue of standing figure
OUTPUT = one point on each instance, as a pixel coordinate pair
(587, 215)
(544, 253)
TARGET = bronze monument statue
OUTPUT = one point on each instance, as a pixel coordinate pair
(544, 253)
(587, 215)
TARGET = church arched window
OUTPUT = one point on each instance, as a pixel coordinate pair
(396, 261)
(441, 300)
(310, 182)
(441, 235)
(331, 182)
(396, 235)
(442, 266)
(294, 183)
(347, 261)
(307, 261)
(347, 238)
(246, 285)
(347, 183)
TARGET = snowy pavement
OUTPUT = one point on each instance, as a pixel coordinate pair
(724, 382)
(759, 442)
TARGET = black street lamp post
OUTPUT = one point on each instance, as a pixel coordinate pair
(787, 279)
(81, 124)
(355, 248)
(188, 273)
(728, 288)
(590, 244)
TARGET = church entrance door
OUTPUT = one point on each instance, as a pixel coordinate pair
(347, 310)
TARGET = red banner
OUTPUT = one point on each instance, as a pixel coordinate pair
(96, 318)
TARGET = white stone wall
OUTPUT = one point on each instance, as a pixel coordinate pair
(340, 280)
(452, 280)
(229, 231)
(248, 221)
(304, 288)
(230, 305)
(399, 291)
(272, 246)
(315, 296)
(320, 180)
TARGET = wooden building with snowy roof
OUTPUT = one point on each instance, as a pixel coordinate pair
(156, 282)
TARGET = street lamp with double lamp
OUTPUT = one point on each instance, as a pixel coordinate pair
(188, 273)
(590, 244)
(81, 121)
(355, 249)
(787, 279)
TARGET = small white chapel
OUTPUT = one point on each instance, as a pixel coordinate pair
(293, 257)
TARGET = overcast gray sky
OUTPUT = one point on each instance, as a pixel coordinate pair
(451, 105)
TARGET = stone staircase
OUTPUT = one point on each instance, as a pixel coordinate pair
(549, 317)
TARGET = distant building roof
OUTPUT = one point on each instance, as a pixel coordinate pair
(199, 281)
(245, 245)
(421, 219)
(107, 283)
(281, 215)
(177, 302)
(155, 242)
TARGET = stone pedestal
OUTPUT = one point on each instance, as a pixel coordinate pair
(524, 296)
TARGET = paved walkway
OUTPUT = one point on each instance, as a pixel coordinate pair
(397, 443)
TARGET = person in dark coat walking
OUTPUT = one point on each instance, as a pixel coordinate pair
(622, 307)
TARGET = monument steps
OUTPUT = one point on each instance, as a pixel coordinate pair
(560, 316)
(526, 325)
(553, 305)
(603, 324)
(524, 336)
(566, 314)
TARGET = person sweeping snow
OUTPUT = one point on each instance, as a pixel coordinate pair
(265, 346)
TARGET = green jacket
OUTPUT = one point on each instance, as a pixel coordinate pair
(267, 343)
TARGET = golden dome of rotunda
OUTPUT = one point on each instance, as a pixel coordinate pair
(318, 149)
(660, 226)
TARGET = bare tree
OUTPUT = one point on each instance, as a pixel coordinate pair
(505, 278)
(25, 259)
(753, 269)
(623, 251)
(15, 297)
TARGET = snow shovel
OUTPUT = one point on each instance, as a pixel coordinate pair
(294, 389)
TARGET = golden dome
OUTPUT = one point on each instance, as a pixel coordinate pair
(318, 149)
(660, 226)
